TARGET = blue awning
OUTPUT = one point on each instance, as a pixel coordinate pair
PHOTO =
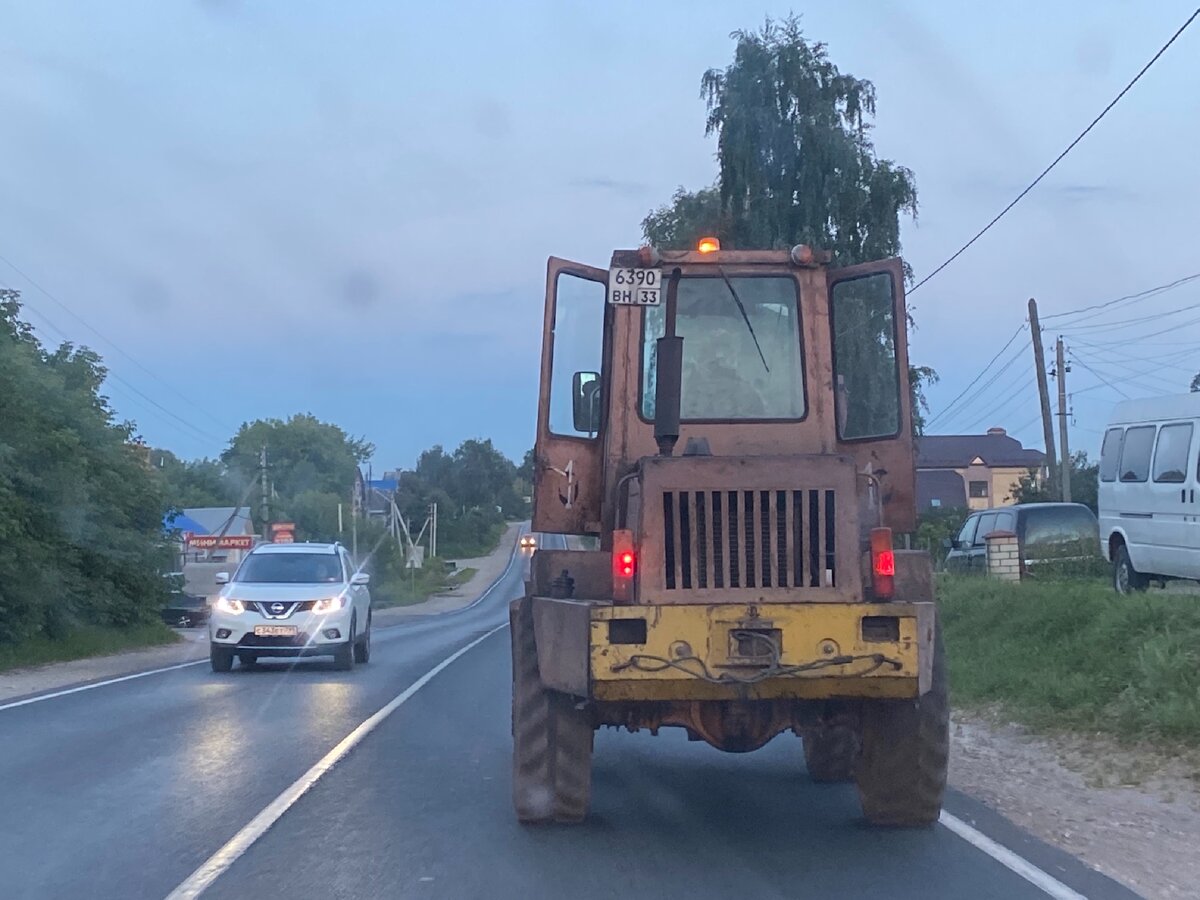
(182, 523)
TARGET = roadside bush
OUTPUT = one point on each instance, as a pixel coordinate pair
(1075, 654)
(81, 538)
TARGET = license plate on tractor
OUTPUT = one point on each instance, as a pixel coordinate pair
(275, 630)
(635, 287)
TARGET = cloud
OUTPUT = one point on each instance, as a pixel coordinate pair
(613, 185)
(1082, 191)
(360, 289)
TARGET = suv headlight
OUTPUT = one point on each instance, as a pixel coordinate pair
(330, 604)
(228, 605)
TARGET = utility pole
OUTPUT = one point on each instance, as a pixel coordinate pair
(266, 492)
(1039, 362)
(433, 533)
(1065, 459)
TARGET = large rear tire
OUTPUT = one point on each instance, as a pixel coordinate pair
(905, 753)
(831, 754)
(552, 738)
(1127, 580)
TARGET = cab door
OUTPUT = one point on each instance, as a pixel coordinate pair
(869, 339)
(570, 423)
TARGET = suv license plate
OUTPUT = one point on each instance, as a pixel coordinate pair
(275, 630)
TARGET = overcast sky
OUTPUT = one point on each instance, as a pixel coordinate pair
(258, 208)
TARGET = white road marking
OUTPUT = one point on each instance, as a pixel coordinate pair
(220, 861)
(98, 684)
(1023, 867)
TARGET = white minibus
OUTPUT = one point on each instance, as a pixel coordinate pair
(1149, 508)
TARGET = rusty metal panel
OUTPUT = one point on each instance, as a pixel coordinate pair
(591, 570)
(914, 576)
(568, 477)
(723, 258)
(689, 652)
(892, 459)
(719, 530)
(561, 630)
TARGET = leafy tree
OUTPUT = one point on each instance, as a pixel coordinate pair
(525, 471)
(1195, 386)
(796, 165)
(304, 455)
(935, 526)
(81, 540)
(195, 483)
(1085, 484)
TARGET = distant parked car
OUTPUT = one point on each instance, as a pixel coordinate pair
(1062, 533)
(1149, 481)
(183, 610)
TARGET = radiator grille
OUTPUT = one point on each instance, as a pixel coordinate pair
(781, 538)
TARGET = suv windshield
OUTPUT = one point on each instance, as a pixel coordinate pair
(290, 568)
(724, 377)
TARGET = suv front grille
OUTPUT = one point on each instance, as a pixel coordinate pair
(780, 538)
(289, 607)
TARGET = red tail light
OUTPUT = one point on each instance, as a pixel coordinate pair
(883, 563)
(624, 562)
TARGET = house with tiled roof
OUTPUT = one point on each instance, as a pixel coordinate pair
(972, 471)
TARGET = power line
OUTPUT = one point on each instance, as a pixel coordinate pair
(109, 341)
(946, 410)
(1106, 357)
(1102, 378)
(1060, 156)
(109, 374)
(987, 384)
(1164, 360)
(1108, 326)
(1017, 395)
(1149, 292)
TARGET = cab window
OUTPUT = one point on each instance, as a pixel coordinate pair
(987, 524)
(966, 537)
(865, 363)
(735, 365)
(1110, 453)
(1135, 454)
(1171, 453)
(578, 344)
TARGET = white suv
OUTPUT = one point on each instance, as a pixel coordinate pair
(292, 600)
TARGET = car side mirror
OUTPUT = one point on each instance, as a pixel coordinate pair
(585, 397)
(361, 578)
(948, 544)
(222, 578)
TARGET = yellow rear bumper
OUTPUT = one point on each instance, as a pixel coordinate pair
(779, 650)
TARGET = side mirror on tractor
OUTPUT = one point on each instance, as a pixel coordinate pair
(585, 396)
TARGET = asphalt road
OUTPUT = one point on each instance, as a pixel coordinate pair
(124, 791)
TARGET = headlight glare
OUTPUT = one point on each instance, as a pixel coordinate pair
(330, 604)
(228, 605)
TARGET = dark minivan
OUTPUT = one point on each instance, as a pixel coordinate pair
(1046, 532)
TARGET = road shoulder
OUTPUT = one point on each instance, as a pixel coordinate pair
(1069, 792)
(487, 570)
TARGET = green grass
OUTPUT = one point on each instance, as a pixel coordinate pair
(418, 585)
(83, 643)
(1075, 655)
